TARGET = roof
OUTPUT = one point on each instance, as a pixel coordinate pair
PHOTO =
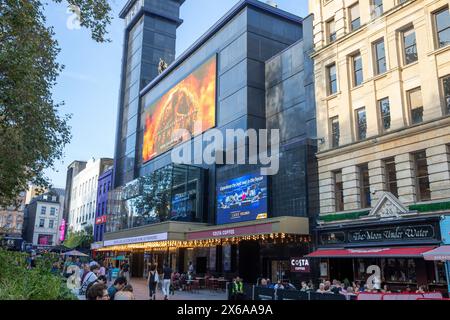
(216, 27)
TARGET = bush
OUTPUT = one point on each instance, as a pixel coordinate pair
(19, 283)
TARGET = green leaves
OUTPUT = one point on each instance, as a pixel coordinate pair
(18, 283)
(79, 239)
(33, 133)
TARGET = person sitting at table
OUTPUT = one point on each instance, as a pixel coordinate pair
(421, 289)
(407, 290)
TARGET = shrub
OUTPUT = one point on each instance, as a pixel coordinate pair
(19, 283)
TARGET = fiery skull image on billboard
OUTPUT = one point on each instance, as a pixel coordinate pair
(190, 105)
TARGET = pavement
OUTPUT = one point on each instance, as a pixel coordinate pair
(140, 291)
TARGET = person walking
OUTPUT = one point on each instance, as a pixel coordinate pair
(118, 285)
(126, 271)
(237, 289)
(152, 282)
(88, 278)
(167, 275)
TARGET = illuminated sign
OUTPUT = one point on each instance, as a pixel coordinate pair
(242, 199)
(300, 265)
(100, 220)
(141, 239)
(62, 230)
(189, 106)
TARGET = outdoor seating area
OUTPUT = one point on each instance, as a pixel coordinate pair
(193, 284)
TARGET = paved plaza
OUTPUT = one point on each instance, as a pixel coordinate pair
(141, 293)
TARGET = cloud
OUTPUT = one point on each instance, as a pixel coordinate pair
(80, 77)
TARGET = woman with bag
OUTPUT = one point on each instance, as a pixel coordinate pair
(152, 282)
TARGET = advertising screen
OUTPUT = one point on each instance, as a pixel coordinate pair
(242, 199)
(190, 105)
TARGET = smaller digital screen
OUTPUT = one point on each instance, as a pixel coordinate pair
(242, 199)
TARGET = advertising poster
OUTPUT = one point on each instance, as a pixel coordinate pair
(190, 105)
(242, 199)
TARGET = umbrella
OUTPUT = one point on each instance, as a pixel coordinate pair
(75, 253)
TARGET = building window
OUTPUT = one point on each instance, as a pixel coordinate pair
(391, 176)
(422, 180)
(446, 91)
(41, 223)
(51, 224)
(377, 8)
(409, 46)
(364, 186)
(332, 79)
(52, 211)
(380, 57)
(355, 18)
(338, 191)
(361, 122)
(331, 31)
(415, 105)
(357, 70)
(43, 210)
(385, 113)
(335, 134)
(442, 25)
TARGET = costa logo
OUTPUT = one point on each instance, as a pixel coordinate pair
(300, 265)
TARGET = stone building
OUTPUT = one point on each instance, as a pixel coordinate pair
(382, 78)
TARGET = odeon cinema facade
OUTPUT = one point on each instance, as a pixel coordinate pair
(251, 70)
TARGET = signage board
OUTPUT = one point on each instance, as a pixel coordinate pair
(242, 199)
(140, 239)
(231, 232)
(300, 265)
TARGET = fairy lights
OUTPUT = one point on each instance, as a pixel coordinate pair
(273, 238)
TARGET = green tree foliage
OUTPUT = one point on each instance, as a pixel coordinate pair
(19, 283)
(79, 239)
(33, 133)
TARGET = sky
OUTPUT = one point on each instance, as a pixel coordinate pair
(89, 84)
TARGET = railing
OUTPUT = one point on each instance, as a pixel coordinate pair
(400, 296)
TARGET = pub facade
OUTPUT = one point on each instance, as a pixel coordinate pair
(389, 240)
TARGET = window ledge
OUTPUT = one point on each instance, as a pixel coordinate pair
(332, 96)
(406, 66)
(439, 50)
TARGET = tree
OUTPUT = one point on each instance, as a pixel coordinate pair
(79, 239)
(33, 133)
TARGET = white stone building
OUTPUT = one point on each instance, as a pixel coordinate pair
(84, 194)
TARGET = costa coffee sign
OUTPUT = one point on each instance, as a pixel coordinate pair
(231, 232)
(300, 265)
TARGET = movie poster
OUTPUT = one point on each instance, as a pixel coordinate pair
(242, 199)
(190, 105)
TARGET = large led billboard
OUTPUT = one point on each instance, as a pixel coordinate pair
(242, 199)
(190, 105)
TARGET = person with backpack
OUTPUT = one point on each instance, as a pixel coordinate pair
(152, 282)
(88, 278)
(100, 280)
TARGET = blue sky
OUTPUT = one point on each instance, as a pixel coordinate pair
(89, 84)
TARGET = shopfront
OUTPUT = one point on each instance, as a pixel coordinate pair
(392, 249)
(254, 249)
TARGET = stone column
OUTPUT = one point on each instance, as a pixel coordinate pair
(350, 180)
(404, 164)
(326, 190)
(438, 160)
(377, 180)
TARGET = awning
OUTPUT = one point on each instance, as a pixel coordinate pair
(439, 254)
(416, 252)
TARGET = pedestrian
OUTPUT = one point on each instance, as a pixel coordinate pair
(98, 292)
(100, 280)
(191, 268)
(102, 270)
(321, 288)
(118, 285)
(152, 282)
(237, 289)
(167, 275)
(125, 294)
(126, 271)
(89, 277)
(110, 270)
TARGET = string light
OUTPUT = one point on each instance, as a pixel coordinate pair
(275, 238)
